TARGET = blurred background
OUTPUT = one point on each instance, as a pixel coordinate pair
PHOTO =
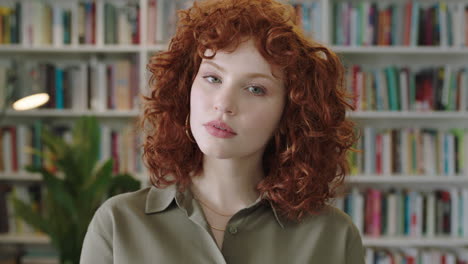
(73, 71)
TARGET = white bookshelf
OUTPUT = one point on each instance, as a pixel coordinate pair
(421, 56)
(20, 177)
(438, 116)
(24, 239)
(81, 48)
(379, 50)
(359, 54)
(71, 49)
(68, 113)
(437, 119)
(409, 181)
(402, 242)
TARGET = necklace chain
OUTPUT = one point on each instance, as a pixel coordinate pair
(215, 211)
(216, 228)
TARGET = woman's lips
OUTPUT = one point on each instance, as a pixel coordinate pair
(219, 129)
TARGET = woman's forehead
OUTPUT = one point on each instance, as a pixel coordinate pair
(245, 57)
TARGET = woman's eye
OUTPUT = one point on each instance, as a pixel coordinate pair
(212, 79)
(256, 90)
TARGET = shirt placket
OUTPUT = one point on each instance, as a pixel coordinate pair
(195, 213)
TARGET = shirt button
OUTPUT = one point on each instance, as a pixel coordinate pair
(232, 230)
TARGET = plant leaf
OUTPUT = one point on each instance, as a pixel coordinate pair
(55, 144)
(86, 137)
(29, 215)
(98, 186)
(123, 183)
(59, 193)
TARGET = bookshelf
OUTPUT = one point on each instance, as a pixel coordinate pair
(54, 114)
(153, 32)
(20, 177)
(400, 50)
(23, 239)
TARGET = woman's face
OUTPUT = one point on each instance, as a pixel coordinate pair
(236, 103)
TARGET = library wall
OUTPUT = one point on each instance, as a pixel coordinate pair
(406, 62)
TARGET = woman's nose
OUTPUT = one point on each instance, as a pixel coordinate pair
(226, 101)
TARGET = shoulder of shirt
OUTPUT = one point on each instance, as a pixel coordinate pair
(340, 218)
(148, 200)
(334, 214)
(129, 206)
(115, 207)
(332, 218)
(125, 201)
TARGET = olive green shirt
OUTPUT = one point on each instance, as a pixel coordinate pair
(166, 226)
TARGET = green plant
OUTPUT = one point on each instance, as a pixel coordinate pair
(75, 189)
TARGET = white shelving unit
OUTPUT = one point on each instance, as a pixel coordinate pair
(369, 55)
(438, 242)
(409, 181)
(20, 177)
(52, 113)
(82, 48)
(24, 239)
(419, 57)
(400, 50)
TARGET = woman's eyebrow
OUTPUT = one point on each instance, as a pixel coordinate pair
(214, 65)
(250, 75)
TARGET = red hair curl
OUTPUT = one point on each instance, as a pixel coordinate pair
(305, 161)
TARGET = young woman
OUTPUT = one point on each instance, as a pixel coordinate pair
(246, 142)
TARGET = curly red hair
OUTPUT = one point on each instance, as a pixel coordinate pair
(306, 159)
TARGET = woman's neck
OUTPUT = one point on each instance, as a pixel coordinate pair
(228, 185)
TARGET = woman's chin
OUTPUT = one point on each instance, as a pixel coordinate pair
(218, 154)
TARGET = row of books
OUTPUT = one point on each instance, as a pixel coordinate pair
(309, 18)
(60, 23)
(31, 194)
(392, 88)
(121, 22)
(407, 212)
(10, 17)
(410, 23)
(415, 255)
(162, 19)
(161, 25)
(79, 85)
(411, 151)
(17, 145)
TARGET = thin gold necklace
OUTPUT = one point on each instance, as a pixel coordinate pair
(218, 213)
(215, 228)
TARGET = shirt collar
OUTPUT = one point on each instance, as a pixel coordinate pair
(159, 199)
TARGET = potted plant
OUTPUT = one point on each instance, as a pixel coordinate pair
(75, 188)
